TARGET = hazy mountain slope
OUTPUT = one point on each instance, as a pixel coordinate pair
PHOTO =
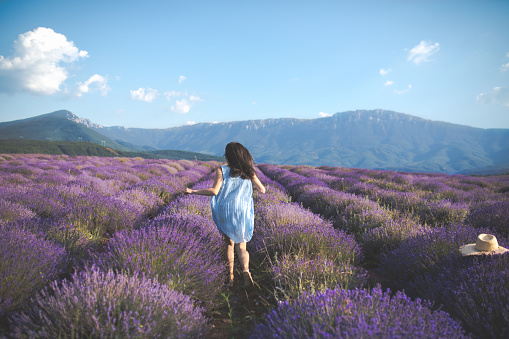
(365, 139)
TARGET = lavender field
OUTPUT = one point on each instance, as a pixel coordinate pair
(96, 247)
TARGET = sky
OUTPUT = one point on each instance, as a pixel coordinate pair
(160, 64)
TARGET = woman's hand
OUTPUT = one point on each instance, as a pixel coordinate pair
(257, 185)
(211, 191)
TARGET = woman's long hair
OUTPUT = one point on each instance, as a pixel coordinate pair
(239, 160)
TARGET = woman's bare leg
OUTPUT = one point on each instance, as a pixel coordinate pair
(243, 255)
(229, 254)
(244, 263)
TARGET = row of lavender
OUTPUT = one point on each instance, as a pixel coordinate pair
(316, 283)
(87, 248)
(410, 227)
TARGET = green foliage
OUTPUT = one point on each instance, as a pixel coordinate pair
(12, 146)
(173, 154)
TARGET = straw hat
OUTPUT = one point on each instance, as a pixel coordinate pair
(485, 244)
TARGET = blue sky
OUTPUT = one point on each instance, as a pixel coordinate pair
(159, 64)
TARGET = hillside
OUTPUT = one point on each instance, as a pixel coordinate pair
(55, 126)
(363, 139)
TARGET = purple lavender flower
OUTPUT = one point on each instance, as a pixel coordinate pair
(357, 313)
(195, 204)
(10, 211)
(385, 239)
(490, 214)
(182, 250)
(348, 212)
(424, 253)
(27, 263)
(475, 291)
(302, 251)
(108, 305)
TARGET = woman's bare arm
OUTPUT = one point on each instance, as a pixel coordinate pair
(218, 181)
(257, 185)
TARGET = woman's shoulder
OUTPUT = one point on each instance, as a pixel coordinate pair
(223, 169)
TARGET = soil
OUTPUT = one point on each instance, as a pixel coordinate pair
(239, 309)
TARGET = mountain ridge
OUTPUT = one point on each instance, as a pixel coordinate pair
(375, 139)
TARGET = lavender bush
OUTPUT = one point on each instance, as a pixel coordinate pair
(272, 196)
(266, 180)
(314, 238)
(150, 204)
(10, 211)
(293, 275)
(490, 214)
(348, 212)
(357, 313)
(424, 253)
(383, 240)
(442, 213)
(302, 251)
(475, 291)
(164, 191)
(193, 204)
(107, 305)
(27, 263)
(101, 215)
(42, 200)
(182, 250)
(77, 245)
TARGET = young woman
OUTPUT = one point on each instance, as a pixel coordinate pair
(232, 204)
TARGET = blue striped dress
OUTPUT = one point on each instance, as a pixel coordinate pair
(232, 208)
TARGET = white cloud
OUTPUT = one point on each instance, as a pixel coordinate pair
(403, 91)
(141, 94)
(499, 95)
(194, 98)
(98, 81)
(36, 62)
(423, 51)
(190, 123)
(181, 106)
(388, 83)
(181, 79)
(384, 71)
(324, 115)
(505, 67)
(171, 94)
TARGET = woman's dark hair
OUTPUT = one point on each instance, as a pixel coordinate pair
(239, 160)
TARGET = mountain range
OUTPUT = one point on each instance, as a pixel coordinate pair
(374, 139)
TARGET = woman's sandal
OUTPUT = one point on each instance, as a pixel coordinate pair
(248, 280)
